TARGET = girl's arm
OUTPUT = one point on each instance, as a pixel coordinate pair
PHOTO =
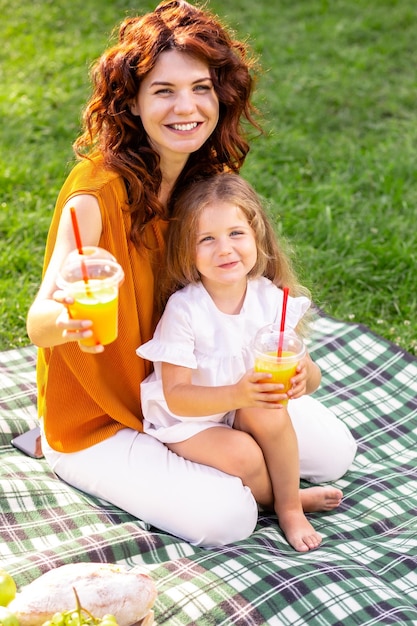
(313, 375)
(48, 323)
(188, 400)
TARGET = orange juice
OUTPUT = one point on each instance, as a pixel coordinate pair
(92, 277)
(96, 302)
(282, 371)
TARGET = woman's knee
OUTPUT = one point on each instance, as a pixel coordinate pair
(330, 461)
(232, 518)
(326, 446)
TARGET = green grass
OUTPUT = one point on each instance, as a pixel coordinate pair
(336, 166)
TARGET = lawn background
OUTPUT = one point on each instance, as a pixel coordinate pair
(337, 165)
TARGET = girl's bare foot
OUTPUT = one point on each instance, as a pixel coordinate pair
(320, 498)
(298, 531)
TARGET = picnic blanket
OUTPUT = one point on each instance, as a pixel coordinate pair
(364, 573)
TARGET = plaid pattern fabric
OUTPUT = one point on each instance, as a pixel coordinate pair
(364, 573)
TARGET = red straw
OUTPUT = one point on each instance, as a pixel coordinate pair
(79, 246)
(283, 316)
(76, 231)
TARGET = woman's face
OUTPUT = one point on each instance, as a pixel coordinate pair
(177, 104)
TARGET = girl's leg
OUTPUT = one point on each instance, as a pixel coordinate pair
(237, 453)
(273, 431)
(140, 475)
(233, 452)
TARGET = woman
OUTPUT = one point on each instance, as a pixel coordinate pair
(167, 107)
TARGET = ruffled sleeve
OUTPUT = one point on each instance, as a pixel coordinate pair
(173, 341)
(296, 309)
(263, 305)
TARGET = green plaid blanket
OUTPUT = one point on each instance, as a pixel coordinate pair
(365, 572)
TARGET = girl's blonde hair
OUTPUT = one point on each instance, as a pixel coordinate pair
(273, 262)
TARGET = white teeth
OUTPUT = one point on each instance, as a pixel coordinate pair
(189, 126)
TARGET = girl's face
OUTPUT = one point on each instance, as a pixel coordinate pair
(226, 249)
(177, 104)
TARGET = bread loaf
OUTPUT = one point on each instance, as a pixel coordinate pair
(102, 589)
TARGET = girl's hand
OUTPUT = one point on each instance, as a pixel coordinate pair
(74, 330)
(299, 381)
(253, 390)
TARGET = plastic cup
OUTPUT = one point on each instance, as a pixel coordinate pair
(281, 367)
(93, 280)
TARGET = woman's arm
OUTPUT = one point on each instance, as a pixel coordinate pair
(188, 400)
(48, 323)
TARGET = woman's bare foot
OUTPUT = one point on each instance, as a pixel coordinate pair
(298, 531)
(320, 498)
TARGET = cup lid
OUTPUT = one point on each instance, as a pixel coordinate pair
(96, 262)
(266, 341)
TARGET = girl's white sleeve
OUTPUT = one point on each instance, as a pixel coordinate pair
(296, 309)
(173, 341)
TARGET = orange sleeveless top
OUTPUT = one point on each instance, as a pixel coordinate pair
(86, 398)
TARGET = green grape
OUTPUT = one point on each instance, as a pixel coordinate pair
(7, 618)
(58, 619)
(108, 617)
(72, 621)
(79, 617)
(7, 588)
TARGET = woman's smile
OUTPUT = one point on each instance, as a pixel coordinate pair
(184, 127)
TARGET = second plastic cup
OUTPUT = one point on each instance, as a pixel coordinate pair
(281, 367)
(93, 280)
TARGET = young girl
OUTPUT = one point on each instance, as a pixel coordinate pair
(225, 271)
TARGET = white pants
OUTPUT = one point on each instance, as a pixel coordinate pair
(194, 502)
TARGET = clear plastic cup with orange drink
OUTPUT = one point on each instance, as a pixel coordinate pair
(93, 279)
(278, 353)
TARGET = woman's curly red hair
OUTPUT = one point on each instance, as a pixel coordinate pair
(113, 131)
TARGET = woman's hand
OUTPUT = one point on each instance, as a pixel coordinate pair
(48, 322)
(74, 330)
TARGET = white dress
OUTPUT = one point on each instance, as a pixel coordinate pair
(217, 347)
